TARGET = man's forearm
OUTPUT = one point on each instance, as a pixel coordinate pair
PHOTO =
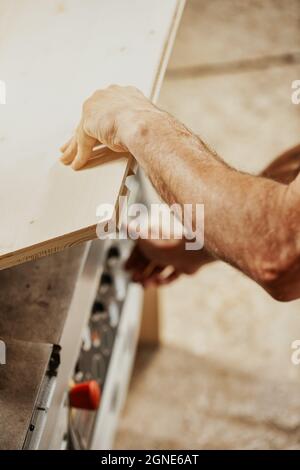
(251, 222)
(244, 214)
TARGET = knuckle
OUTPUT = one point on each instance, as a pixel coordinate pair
(80, 134)
(93, 97)
(113, 86)
(86, 105)
(98, 93)
(131, 88)
(134, 89)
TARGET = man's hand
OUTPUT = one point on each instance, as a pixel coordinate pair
(109, 117)
(159, 262)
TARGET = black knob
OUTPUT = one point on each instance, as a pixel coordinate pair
(113, 252)
(98, 307)
(106, 279)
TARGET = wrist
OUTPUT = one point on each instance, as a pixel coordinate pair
(140, 126)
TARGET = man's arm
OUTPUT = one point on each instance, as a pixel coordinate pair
(285, 168)
(159, 262)
(251, 222)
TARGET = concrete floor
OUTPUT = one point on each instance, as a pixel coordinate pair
(223, 377)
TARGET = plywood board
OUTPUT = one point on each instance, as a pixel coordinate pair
(52, 56)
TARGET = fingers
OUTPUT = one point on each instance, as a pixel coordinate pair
(78, 149)
(148, 273)
(136, 260)
(69, 150)
(64, 147)
(162, 276)
(85, 145)
(140, 266)
(170, 278)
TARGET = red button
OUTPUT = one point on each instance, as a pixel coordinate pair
(85, 395)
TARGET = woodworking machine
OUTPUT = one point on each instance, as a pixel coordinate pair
(70, 323)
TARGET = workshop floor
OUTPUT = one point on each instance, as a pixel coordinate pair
(223, 377)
